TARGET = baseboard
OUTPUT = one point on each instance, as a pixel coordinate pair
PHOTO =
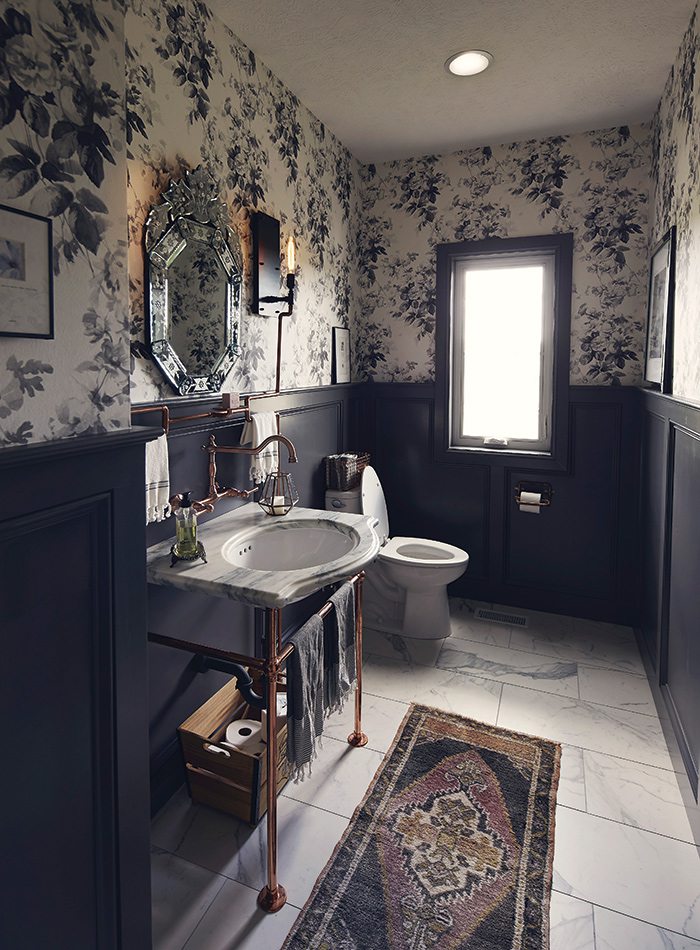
(167, 774)
(549, 601)
(685, 771)
(681, 739)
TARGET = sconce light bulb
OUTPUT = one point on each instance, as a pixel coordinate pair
(291, 255)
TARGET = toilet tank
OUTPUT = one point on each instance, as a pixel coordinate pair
(349, 502)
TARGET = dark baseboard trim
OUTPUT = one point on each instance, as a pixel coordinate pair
(547, 600)
(167, 774)
(673, 734)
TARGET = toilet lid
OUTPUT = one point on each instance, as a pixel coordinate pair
(373, 501)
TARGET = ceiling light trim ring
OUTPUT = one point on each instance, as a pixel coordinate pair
(481, 58)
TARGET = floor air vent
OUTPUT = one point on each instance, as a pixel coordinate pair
(496, 616)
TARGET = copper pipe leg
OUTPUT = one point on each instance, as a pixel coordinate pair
(270, 902)
(357, 738)
(273, 896)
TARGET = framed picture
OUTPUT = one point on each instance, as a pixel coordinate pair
(658, 367)
(26, 274)
(341, 355)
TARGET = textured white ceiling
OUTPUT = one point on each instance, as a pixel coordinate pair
(372, 70)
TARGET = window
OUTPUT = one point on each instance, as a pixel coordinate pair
(503, 342)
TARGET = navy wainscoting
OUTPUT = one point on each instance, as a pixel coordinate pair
(577, 557)
(319, 422)
(670, 622)
(75, 831)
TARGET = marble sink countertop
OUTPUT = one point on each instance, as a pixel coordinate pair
(259, 588)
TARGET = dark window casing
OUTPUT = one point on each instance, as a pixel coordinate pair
(447, 255)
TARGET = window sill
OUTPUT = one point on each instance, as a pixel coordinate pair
(508, 458)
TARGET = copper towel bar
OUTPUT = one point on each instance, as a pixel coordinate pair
(226, 410)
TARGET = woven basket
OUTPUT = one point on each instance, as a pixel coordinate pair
(343, 472)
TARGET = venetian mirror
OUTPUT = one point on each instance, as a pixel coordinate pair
(193, 281)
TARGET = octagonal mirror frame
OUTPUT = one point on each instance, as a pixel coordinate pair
(191, 210)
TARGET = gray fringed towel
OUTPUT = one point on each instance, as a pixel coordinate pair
(305, 696)
(340, 664)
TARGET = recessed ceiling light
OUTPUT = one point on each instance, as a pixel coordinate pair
(469, 62)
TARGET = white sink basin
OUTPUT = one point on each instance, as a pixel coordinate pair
(305, 542)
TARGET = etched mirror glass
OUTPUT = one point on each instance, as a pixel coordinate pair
(194, 285)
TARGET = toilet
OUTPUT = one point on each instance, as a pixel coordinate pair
(406, 587)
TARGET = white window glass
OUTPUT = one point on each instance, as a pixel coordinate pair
(502, 351)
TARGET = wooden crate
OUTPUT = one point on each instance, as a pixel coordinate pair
(229, 779)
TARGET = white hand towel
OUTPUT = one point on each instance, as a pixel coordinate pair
(260, 427)
(157, 480)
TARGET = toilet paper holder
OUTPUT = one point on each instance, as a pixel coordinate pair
(544, 489)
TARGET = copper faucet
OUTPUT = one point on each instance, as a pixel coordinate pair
(215, 492)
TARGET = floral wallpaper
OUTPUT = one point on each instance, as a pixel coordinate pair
(196, 94)
(100, 106)
(676, 193)
(62, 156)
(595, 185)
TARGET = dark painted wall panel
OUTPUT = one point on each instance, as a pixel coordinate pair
(683, 668)
(73, 696)
(653, 499)
(670, 628)
(61, 677)
(571, 545)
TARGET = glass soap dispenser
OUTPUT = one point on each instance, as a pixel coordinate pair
(186, 546)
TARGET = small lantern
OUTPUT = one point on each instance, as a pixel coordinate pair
(279, 494)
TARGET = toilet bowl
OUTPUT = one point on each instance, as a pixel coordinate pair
(406, 587)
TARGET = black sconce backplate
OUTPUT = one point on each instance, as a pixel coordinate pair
(266, 265)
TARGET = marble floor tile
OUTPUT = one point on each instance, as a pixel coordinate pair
(617, 932)
(570, 924)
(591, 646)
(405, 649)
(381, 719)
(626, 869)
(613, 688)
(181, 894)
(572, 791)
(170, 825)
(235, 921)
(339, 778)
(631, 871)
(229, 847)
(465, 626)
(509, 666)
(603, 632)
(586, 725)
(637, 795)
(454, 692)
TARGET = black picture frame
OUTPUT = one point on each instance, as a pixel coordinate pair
(341, 355)
(44, 294)
(658, 350)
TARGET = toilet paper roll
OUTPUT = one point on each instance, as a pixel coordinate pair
(281, 714)
(245, 734)
(530, 501)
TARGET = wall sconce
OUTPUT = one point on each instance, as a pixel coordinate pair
(266, 268)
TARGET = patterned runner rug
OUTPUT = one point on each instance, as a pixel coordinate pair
(452, 846)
